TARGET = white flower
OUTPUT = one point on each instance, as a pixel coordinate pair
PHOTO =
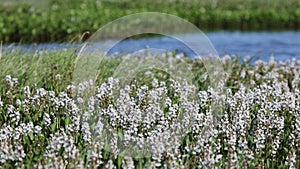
(1, 103)
(47, 119)
(57, 77)
(37, 129)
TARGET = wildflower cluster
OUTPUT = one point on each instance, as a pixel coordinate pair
(159, 122)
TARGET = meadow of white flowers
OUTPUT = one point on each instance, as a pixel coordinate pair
(257, 126)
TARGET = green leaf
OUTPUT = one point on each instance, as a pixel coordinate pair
(120, 159)
(67, 121)
(53, 127)
(26, 140)
(31, 136)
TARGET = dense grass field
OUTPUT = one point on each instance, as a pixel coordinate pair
(44, 117)
(66, 20)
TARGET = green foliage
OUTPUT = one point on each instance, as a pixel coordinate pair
(61, 20)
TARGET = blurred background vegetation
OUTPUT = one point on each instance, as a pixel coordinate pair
(28, 21)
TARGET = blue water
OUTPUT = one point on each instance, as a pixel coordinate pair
(261, 45)
(283, 45)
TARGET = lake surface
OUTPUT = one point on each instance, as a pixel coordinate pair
(261, 45)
